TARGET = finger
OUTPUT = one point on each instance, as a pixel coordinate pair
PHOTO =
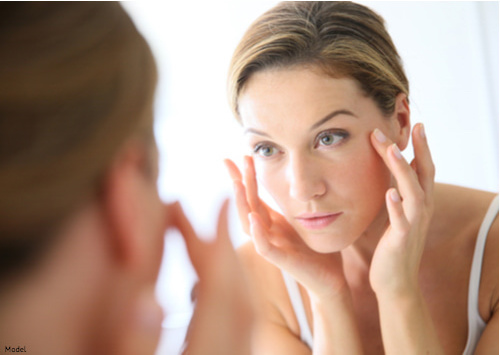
(242, 205)
(261, 241)
(395, 209)
(240, 193)
(194, 245)
(224, 253)
(251, 184)
(408, 184)
(233, 170)
(413, 165)
(406, 178)
(423, 160)
(223, 225)
(253, 198)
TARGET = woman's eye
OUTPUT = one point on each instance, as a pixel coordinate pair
(265, 150)
(327, 139)
(330, 138)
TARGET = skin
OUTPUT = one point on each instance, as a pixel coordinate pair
(389, 247)
(94, 291)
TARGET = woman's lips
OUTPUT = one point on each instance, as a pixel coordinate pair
(317, 220)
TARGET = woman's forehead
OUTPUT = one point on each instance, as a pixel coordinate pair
(296, 93)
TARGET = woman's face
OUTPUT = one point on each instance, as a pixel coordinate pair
(309, 135)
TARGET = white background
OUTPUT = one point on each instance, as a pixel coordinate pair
(450, 53)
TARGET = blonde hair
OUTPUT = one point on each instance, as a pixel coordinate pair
(78, 80)
(343, 39)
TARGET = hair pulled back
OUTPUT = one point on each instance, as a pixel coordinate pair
(343, 39)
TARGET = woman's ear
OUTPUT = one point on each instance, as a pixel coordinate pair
(401, 119)
(123, 206)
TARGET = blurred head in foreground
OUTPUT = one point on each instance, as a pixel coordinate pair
(81, 223)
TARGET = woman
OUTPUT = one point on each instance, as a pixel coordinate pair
(369, 255)
(81, 222)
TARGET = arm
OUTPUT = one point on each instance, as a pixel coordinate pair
(223, 315)
(488, 344)
(273, 331)
(407, 326)
(335, 326)
(321, 275)
(405, 320)
(273, 334)
(274, 339)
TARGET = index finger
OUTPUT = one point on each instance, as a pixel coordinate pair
(256, 204)
(233, 170)
(194, 245)
(222, 225)
(423, 159)
(406, 178)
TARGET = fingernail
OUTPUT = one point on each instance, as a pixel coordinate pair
(379, 135)
(396, 151)
(395, 195)
(422, 131)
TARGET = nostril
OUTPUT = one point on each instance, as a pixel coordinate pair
(305, 188)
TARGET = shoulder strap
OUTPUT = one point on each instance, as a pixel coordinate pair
(298, 307)
(476, 323)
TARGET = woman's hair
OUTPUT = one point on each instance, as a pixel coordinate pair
(77, 80)
(343, 39)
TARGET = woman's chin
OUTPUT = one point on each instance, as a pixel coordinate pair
(325, 243)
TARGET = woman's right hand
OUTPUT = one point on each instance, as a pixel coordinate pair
(277, 241)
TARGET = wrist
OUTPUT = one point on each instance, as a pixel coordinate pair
(326, 300)
(397, 286)
(335, 324)
(402, 299)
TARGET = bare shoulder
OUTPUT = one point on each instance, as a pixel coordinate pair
(459, 211)
(459, 214)
(259, 270)
(453, 201)
(268, 286)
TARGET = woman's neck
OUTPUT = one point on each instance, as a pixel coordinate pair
(358, 256)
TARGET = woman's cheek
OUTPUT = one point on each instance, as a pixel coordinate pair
(366, 175)
(375, 168)
(272, 180)
(264, 175)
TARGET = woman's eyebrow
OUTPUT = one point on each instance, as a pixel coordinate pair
(313, 127)
(330, 116)
(255, 131)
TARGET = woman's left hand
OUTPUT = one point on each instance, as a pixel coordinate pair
(396, 261)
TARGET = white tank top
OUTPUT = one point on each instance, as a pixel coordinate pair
(476, 323)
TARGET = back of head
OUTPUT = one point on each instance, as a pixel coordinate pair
(343, 39)
(77, 80)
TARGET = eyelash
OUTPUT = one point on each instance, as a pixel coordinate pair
(341, 134)
(258, 148)
(334, 132)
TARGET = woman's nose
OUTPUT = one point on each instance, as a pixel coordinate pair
(305, 179)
